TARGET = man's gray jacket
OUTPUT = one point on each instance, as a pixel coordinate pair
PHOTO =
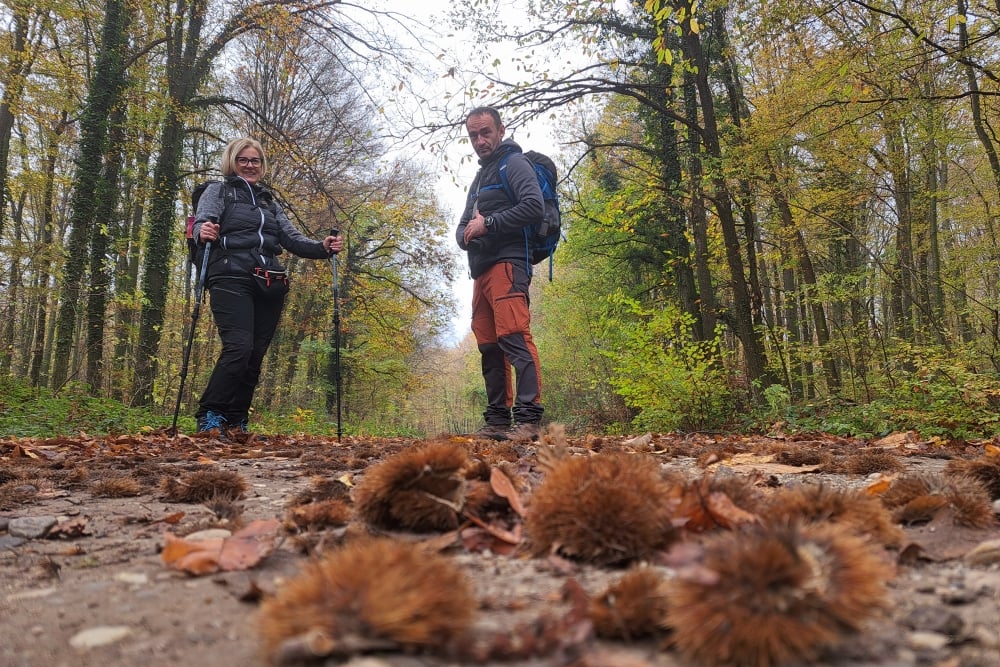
(506, 242)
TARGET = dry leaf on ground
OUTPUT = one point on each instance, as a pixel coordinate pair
(240, 551)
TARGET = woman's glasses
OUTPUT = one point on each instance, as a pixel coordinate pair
(244, 161)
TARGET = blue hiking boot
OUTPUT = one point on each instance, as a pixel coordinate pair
(212, 421)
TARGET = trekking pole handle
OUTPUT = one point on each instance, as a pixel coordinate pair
(334, 232)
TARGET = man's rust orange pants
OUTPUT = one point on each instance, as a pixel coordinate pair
(501, 322)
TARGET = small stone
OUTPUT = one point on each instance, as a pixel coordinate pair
(210, 534)
(985, 553)
(32, 594)
(957, 595)
(8, 542)
(928, 641)
(927, 618)
(640, 443)
(31, 527)
(725, 472)
(135, 578)
(988, 637)
(99, 636)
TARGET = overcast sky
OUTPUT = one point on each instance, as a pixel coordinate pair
(451, 190)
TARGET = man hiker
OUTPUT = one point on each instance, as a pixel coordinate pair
(491, 231)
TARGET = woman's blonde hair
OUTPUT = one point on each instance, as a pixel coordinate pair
(234, 148)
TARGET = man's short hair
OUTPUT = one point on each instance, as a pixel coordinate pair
(487, 111)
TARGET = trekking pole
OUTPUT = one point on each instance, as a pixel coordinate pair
(336, 334)
(198, 293)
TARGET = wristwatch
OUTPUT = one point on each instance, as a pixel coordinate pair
(490, 223)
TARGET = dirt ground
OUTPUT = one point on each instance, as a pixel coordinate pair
(86, 583)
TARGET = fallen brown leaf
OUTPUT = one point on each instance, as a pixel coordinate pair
(726, 513)
(240, 551)
(879, 486)
(512, 536)
(477, 540)
(504, 488)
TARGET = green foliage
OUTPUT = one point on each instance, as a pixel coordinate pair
(569, 334)
(34, 412)
(674, 382)
(779, 401)
(932, 390)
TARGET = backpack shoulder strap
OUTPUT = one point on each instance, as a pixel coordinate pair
(227, 194)
(504, 181)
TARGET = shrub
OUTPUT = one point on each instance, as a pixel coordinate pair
(674, 382)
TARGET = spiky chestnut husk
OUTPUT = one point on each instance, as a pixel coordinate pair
(634, 606)
(116, 487)
(985, 469)
(868, 462)
(770, 594)
(819, 503)
(418, 489)
(803, 456)
(321, 514)
(919, 498)
(605, 509)
(372, 593)
(202, 485)
(322, 488)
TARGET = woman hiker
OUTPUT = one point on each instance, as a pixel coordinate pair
(247, 230)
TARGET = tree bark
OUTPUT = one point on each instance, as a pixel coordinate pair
(708, 310)
(13, 87)
(742, 315)
(104, 94)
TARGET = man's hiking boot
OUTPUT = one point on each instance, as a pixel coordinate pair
(491, 432)
(212, 421)
(523, 431)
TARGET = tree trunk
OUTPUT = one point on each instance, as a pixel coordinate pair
(984, 133)
(127, 312)
(100, 264)
(104, 94)
(156, 266)
(742, 315)
(803, 259)
(678, 250)
(13, 87)
(186, 67)
(902, 279)
(709, 309)
(43, 262)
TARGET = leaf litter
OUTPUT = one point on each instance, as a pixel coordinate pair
(574, 551)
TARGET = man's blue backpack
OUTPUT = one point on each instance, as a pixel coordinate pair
(541, 238)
